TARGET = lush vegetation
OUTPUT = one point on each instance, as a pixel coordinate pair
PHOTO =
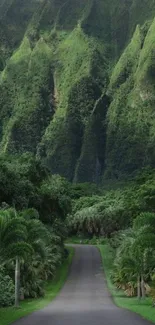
(123, 221)
(39, 211)
(120, 219)
(111, 210)
(51, 289)
(77, 85)
(76, 100)
(134, 262)
(143, 307)
(33, 208)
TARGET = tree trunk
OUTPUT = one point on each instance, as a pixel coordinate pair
(142, 287)
(17, 282)
(138, 288)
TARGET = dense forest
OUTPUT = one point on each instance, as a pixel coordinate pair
(77, 135)
(32, 230)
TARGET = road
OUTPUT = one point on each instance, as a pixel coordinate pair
(84, 299)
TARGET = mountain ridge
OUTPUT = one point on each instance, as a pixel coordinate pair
(77, 85)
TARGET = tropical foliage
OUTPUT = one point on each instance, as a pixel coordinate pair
(7, 289)
(33, 209)
(134, 263)
(76, 98)
(125, 216)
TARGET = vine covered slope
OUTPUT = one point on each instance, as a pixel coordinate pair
(77, 85)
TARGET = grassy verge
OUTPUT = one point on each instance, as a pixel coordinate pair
(9, 315)
(144, 307)
(86, 241)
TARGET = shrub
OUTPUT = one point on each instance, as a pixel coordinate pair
(6, 290)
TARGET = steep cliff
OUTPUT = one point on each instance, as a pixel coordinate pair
(77, 84)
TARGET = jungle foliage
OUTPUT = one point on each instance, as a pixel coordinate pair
(33, 208)
(125, 219)
(111, 210)
(77, 100)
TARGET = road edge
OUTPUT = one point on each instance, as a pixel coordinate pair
(10, 315)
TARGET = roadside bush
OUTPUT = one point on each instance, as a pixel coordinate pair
(99, 219)
(6, 290)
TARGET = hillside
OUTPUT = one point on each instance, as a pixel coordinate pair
(77, 85)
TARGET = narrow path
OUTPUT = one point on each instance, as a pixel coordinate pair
(84, 299)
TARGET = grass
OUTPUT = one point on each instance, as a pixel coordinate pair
(85, 241)
(143, 307)
(10, 314)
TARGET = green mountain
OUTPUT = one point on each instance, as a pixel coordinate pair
(77, 85)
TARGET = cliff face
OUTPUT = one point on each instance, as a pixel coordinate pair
(77, 84)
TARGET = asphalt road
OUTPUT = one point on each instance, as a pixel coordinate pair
(84, 299)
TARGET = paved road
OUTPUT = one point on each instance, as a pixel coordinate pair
(84, 299)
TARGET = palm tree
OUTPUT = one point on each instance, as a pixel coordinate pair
(20, 238)
(126, 267)
(37, 237)
(135, 257)
(144, 226)
(13, 244)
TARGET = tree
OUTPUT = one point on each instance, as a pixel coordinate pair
(21, 238)
(136, 253)
(13, 245)
(55, 199)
